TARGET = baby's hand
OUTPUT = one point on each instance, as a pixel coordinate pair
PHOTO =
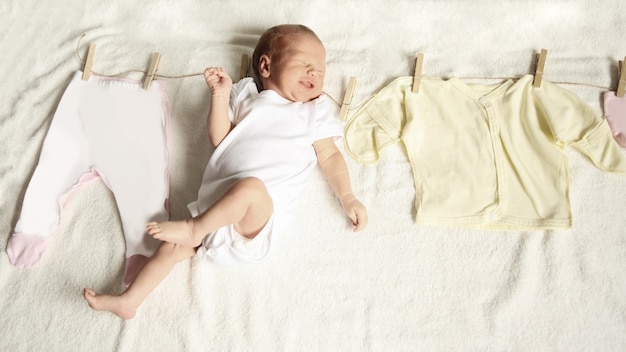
(355, 211)
(218, 81)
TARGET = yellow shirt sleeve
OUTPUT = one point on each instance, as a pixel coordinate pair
(376, 125)
(574, 123)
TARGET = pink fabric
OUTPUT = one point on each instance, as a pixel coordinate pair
(25, 251)
(615, 112)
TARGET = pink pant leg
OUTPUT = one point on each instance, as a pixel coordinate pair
(136, 166)
(62, 160)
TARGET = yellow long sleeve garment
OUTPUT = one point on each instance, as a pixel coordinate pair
(486, 156)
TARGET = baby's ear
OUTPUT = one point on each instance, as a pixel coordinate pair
(264, 66)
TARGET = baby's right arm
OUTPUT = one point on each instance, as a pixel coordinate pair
(218, 123)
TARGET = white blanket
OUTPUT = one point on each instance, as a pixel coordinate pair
(395, 286)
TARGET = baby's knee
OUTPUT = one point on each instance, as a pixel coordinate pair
(251, 188)
(252, 183)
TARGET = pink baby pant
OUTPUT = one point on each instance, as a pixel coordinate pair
(615, 112)
(107, 128)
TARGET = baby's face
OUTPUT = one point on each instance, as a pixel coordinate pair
(298, 75)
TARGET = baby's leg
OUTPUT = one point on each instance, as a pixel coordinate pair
(153, 272)
(247, 205)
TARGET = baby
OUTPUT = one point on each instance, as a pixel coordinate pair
(266, 143)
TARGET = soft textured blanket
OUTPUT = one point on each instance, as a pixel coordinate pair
(396, 286)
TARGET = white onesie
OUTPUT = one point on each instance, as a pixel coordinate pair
(273, 141)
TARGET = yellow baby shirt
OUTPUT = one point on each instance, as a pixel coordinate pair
(486, 156)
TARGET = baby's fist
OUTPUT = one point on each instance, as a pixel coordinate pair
(218, 81)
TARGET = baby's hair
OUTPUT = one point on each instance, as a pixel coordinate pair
(270, 40)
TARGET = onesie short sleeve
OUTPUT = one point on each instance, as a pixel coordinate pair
(242, 90)
(326, 122)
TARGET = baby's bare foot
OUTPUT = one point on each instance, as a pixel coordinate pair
(109, 303)
(178, 232)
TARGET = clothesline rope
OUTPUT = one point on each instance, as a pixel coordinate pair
(80, 58)
(352, 107)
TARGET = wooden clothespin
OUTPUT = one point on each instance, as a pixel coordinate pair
(541, 62)
(621, 83)
(347, 99)
(417, 76)
(245, 66)
(89, 62)
(154, 66)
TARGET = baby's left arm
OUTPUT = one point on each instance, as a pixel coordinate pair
(335, 171)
